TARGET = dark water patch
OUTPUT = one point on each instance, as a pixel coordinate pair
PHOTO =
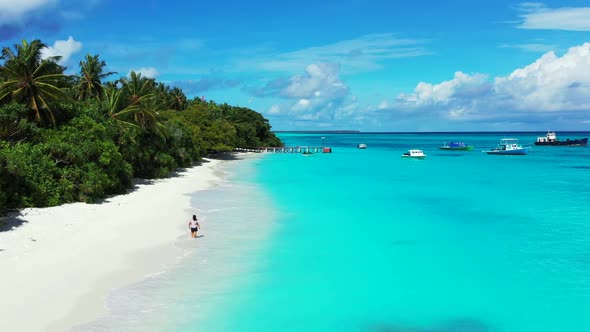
(397, 243)
(449, 155)
(577, 167)
(458, 325)
(436, 200)
(565, 155)
(465, 210)
(579, 258)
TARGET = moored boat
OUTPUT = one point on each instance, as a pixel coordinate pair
(362, 146)
(508, 146)
(551, 140)
(460, 146)
(414, 154)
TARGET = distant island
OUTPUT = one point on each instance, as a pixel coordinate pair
(318, 131)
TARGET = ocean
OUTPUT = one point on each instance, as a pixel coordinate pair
(364, 240)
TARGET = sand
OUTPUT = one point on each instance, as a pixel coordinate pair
(57, 267)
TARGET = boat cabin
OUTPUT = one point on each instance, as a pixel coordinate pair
(550, 137)
(457, 145)
(414, 153)
(510, 144)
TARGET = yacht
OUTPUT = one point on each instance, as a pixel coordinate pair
(508, 146)
(414, 154)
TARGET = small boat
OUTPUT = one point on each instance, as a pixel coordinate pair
(362, 146)
(307, 153)
(414, 154)
(509, 146)
(552, 140)
(456, 146)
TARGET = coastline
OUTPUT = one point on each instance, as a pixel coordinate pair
(61, 262)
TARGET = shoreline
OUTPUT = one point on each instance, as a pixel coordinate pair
(61, 263)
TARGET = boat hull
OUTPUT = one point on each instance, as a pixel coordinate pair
(464, 148)
(508, 152)
(567, 142)
(414, 157)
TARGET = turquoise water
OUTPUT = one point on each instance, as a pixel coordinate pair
(461, 241)
(363, 240)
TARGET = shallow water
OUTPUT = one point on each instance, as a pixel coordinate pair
(234, 226)
(363, 240)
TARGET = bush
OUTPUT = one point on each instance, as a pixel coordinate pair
(91, 164)
(29, 177)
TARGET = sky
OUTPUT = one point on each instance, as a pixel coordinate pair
(420, 65)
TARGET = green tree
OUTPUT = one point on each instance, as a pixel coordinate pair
(31, 80)
(91, 76)
(162, 92)
(114, 104)
(138, 103)
(171, 98)
(179, 100)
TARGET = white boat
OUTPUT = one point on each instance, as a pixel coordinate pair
(414, 153)
(362, 146)
(509, 146)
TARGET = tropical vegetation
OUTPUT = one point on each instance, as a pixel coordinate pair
(68, 138)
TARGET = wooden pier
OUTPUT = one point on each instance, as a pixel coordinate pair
(288, 149)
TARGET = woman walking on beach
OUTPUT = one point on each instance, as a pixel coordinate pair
(194, 226)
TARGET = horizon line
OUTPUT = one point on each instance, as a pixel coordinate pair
(424, 132)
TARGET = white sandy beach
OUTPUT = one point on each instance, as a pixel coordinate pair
(58, 266)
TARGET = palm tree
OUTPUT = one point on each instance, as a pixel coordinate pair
(31, 80)
(164, 96)
(136, 103)
(90, 79)
(138, 88)
(113, 102)
(179, 101)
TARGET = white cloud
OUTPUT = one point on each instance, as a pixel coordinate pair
(552, 84)
(318, 94)
(365, 53)
(447, 91)
(531, 47)
(320, 81)
(274, 109)
(13, 11)
(62, 48)
(150, 72)
(538, 16)
(301, 105)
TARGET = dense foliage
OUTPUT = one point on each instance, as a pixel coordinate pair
(74, 138)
